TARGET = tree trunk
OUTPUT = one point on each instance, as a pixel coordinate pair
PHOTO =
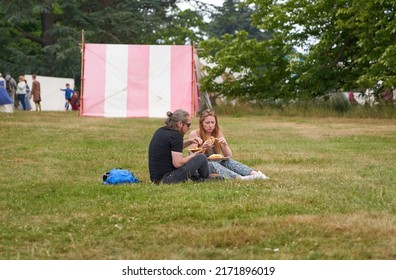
(47, 23)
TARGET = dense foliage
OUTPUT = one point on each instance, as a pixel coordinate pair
(316, 46)
(262, 49)
(45, 36)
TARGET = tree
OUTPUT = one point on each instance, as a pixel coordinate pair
(186, 28)
(347, 43)
(44, 37)
(242, 55)
(232, 17)
(250, 69)
(316, 46)
(37, 40)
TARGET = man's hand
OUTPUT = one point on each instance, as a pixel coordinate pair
(196, 140)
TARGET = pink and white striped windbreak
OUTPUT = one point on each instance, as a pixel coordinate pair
(137, 80)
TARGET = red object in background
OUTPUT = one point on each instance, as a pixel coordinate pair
(75, 101)
(351, 98)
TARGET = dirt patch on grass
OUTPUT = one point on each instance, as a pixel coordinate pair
(319, 128)
(300, 236)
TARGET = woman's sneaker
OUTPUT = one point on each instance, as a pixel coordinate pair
(258, 175)
(262, 175)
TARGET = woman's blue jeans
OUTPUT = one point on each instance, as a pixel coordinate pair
(21, 98)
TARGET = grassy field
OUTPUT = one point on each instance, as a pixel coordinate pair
(331, 195)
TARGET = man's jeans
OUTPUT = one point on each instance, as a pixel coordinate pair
(198, 164)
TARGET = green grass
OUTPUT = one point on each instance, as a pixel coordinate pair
(331, 195)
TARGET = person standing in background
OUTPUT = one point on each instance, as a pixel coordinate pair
(2, 81)
(68, 95)
(6, 103)
(21, 91)
(11, 87)
(36, 93)
(28, 96)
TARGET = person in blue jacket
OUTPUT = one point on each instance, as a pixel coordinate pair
(5, 99)
(68, 95)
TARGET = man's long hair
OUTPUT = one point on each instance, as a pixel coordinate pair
(174, 118)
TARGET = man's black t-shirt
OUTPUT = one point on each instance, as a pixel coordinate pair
(164, 141)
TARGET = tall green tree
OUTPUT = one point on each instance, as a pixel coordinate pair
(232, 17)
(248, 68)
(348, 44)
(186, 28)
(41, 37)
(316, 46)
(44, 36)
(242, 56)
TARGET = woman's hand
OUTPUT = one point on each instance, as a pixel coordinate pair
(207, 144)
(222, 141)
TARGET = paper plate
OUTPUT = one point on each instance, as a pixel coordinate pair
(217, 158)
(195, 150)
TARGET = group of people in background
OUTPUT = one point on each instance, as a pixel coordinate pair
(17, 95)
(20, 93)
(25, 94)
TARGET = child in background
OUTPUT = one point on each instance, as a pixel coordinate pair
(68, 95)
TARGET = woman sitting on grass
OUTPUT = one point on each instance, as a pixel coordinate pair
(215, 143)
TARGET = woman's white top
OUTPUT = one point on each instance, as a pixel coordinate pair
(21, 88)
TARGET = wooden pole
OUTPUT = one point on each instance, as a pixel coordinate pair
(193, 82)
(82, 72)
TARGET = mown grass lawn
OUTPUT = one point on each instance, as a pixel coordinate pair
(332, 192)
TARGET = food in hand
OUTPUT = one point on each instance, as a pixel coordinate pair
(211, 140)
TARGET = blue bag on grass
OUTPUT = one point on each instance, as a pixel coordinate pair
(119, 176)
